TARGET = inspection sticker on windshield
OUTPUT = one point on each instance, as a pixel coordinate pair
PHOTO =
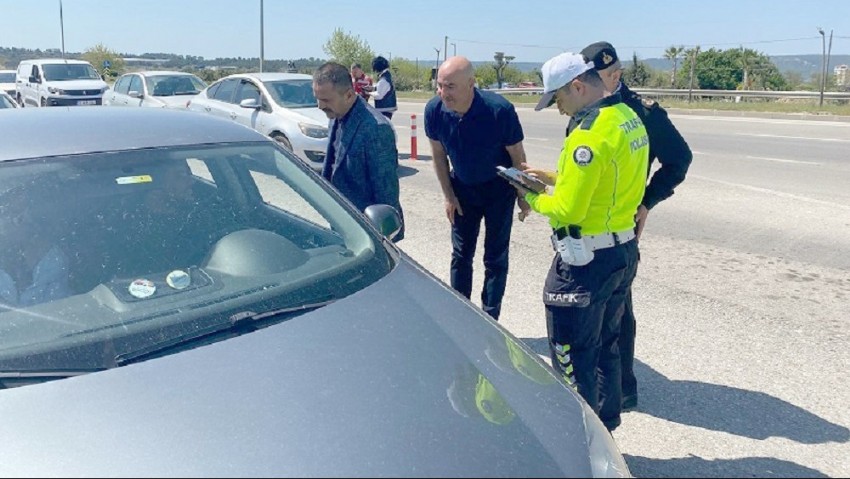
(129, 180)
(178, 279)
(142, 288)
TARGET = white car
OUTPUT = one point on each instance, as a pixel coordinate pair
(7, 82)
(58, 82)
(279, 105)
(158, 89)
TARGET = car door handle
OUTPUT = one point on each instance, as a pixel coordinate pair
(207, 109)
(232, 116)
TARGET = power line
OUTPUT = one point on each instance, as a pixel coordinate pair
(506, 44)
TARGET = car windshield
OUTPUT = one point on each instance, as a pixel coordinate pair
(104, 255)
(7, 77)
(169, 85)
(69, 71)
(292, 93)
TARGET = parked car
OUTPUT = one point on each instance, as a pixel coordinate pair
(203, 304)
(58, 82)
(7, 101)
(158, 89)
(279, 105)
(7, 82)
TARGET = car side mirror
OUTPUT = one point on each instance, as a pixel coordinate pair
(135, 94)
(34, 79)
(385, 218)
(250, 103)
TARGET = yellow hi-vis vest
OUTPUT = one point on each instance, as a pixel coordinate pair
(601, 173)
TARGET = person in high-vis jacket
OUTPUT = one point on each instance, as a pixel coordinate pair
(674, 157)
(599, 184)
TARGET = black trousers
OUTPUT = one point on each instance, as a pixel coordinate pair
(628, 329)
(584, 307)
(492, 201)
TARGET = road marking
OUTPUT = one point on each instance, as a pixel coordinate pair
(765, 158)
(787, 137)
(774, 121)
(773, 192)
(781, 160)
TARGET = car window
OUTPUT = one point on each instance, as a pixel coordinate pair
(292, 93)
(169, 85)
(123, 251)
(123, 85)
(35, 71)
(136, 84)
(69, 71)
(248, 91)
(226, 89)
(7, 77)
(6, 101)
(212, 89)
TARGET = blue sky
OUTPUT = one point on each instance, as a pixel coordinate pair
(530, 30)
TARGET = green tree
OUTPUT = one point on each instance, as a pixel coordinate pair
(638, 74)
(725, 70)
(408, 76)
(99, 53)
(672, 53)
(346, 49)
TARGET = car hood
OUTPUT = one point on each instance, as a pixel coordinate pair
(78, 84)
(395, 380)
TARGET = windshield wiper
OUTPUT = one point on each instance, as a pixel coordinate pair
(239, 323)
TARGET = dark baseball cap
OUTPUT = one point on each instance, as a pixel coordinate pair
(602, 54)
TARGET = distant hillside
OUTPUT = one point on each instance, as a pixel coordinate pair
(805, 65)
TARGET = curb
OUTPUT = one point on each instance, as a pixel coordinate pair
(718, 113)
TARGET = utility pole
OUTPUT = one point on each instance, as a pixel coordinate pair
(62, 28)
(436, 67)
(262, 37)
(823, 65)
(454, 49)
(828, 54)
(445, 47)
(694, 54)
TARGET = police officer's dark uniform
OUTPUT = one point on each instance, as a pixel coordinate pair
(674, 156)
(600, 181)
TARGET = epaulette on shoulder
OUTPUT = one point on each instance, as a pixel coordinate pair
(587, 121)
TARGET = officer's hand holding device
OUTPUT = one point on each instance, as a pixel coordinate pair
(521, 180)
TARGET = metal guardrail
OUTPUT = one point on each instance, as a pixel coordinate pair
(829, 95)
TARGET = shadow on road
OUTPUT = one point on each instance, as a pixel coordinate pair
(694, 466)
(406, 157)
(406, 171)
(751, 414)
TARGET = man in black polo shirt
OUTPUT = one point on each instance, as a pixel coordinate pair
(477, 131)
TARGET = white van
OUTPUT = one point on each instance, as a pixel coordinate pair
(58, 82)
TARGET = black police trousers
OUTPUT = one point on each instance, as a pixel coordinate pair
(493, 201)
(584, 306)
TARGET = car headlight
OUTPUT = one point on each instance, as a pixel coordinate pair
(605, 458)
(313, 131)
(55, 91)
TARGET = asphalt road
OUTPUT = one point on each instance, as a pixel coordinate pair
(742, 295)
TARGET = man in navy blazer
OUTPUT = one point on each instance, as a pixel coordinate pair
(362, 158)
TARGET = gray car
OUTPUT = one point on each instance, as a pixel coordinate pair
(180, 296)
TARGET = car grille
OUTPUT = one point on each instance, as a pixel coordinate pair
(82, 92)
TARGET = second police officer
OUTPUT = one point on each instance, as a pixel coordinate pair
(674, 157)
(600, 181)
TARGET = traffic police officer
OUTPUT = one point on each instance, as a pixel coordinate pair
(600, 181)
(674, 157)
